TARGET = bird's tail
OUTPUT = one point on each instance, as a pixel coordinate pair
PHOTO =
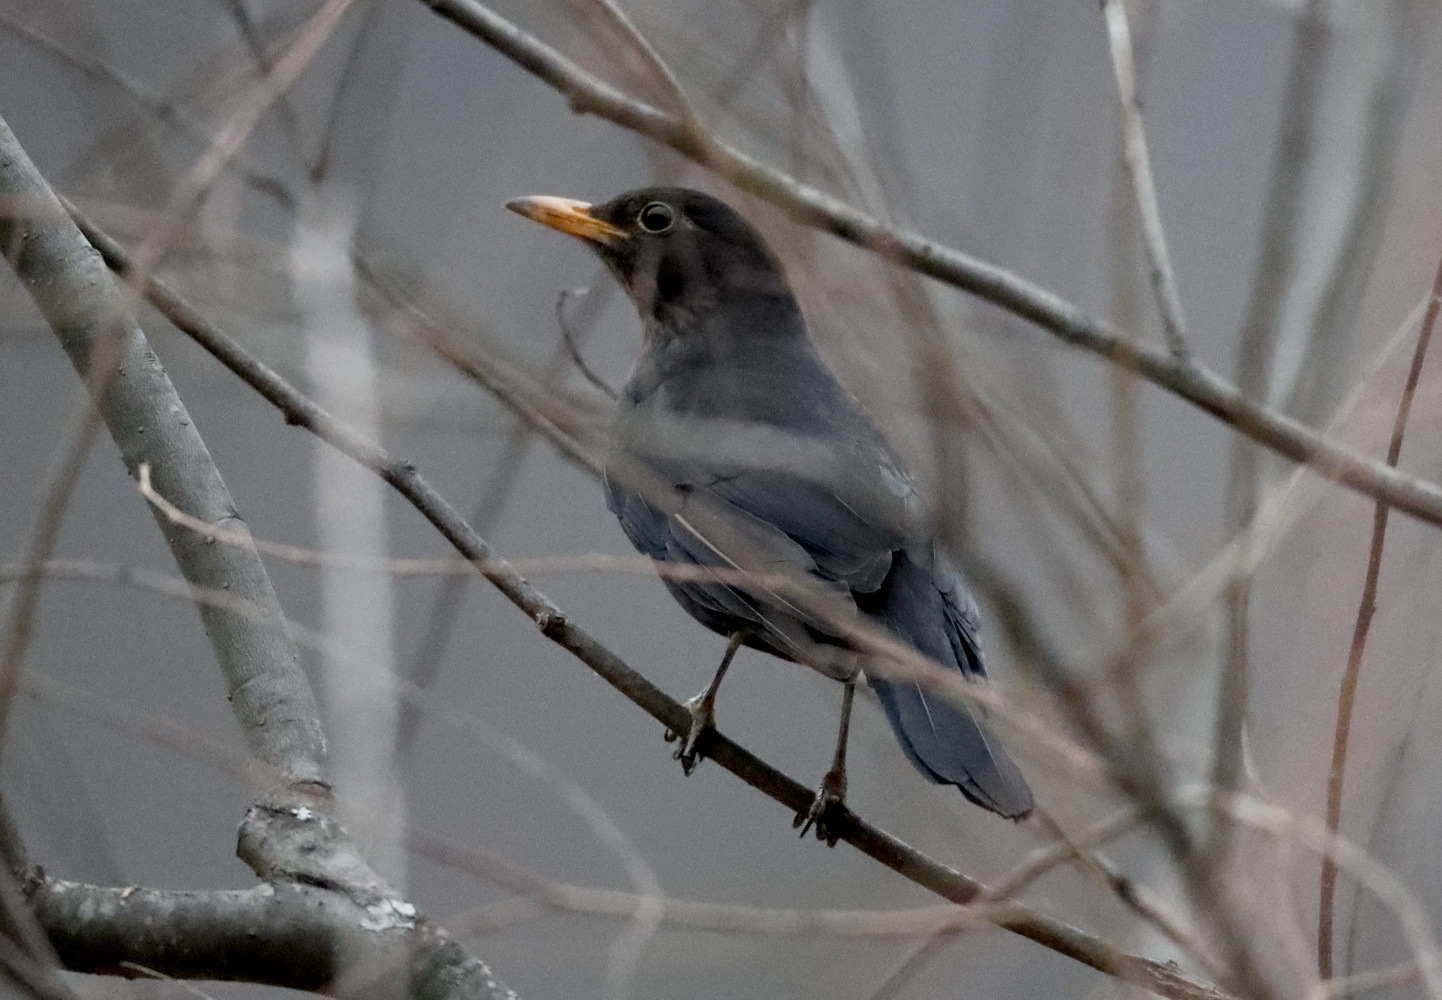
(940, 735)
(948, 746)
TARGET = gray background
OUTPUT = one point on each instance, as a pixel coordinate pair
(987, 125)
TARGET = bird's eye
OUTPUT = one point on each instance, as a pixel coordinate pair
(656, 217)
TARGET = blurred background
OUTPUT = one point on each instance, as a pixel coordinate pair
(1296, 151)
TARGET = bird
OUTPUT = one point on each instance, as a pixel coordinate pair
(739, 464)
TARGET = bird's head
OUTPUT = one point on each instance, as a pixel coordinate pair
(680, 254)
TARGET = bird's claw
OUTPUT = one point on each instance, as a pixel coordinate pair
(826, 809)
(703, 719)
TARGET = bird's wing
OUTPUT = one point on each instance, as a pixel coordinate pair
(850, 522)
(643, 522)
(962, 616)
(754, 572)
(730, 567)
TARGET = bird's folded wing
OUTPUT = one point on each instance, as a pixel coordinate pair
(962, 616)
(758, 573)
(850, 522)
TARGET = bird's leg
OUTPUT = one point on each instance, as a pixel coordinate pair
(703, 711)
(832, 792)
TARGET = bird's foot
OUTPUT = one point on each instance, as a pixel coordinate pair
(703, 720)
(826, 809)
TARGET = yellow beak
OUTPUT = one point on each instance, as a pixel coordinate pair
(573, 217)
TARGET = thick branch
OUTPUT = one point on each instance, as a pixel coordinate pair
(77, 295)
(1193, 382)
(1161, 978)
(289, 934)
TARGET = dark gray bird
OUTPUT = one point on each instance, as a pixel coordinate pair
(742, 467)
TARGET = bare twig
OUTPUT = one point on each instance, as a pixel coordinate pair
(647, 901)
(1279, 511)
(103, 335)
(917, 958)
(425, 665)
(249, 31)
(36, 979)
(1254, 374)
(1134, 651)
(1371, 178)
(568, 338)
(1137, 899)
(91, 320)
(20, 620)
(1361, 983)
(25, 953)
(1347, 694)
(484, 370)
(1185, 378)
(1032, 867)
(642, 46)
(1138, 164)
(1383, 883)
(429, 653)
(150, 102)
(241, 116)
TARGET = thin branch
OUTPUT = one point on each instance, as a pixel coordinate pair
(1258, 338)
(642, 46)
(483, 369)
(241, 115)
(572, 350)
(1138, 899)
(1032, 867)
(13, 855)
(25, 952)
(1280, 510)
(428, 658)
(1198, 385)
(1382, 882)
(55, 497)
(1138, 165)
(1358, 984)
(1139, 771)
(1135, 651)
(553, 623)
(542, 893)
(32, 976)
(179, 984)
(430, 650)
(152, 103)
(916, 959)
(250, 36)
(1372, 178)
(1347, 694)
